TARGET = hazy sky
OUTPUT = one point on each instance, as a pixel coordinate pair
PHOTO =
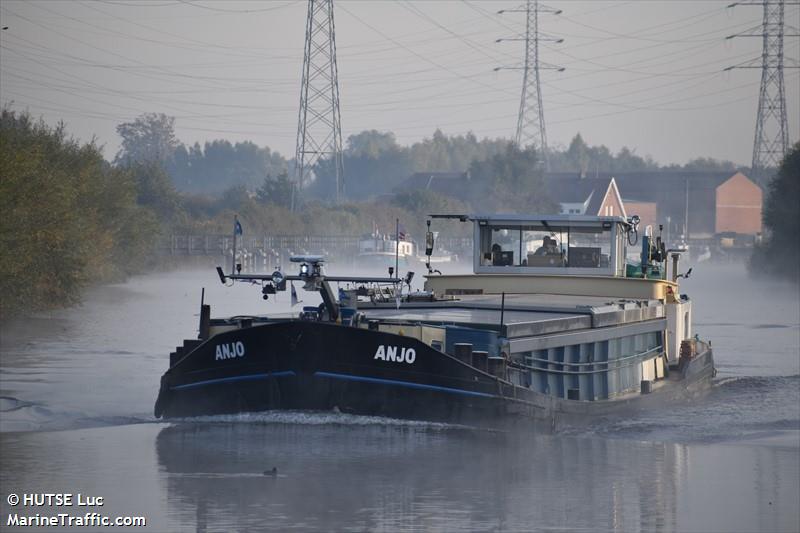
(643, 74)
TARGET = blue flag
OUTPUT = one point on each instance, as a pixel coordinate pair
(237, 228)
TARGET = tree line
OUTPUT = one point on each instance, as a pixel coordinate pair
(221, 179)
(68, 216)
(375, 163)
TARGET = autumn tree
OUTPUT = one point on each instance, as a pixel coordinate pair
(218, 165)
(511, 182)
(779, 254)
(150, 138)
(276, 191)
(67, 217)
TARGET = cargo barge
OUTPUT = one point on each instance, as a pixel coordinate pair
(554, 324)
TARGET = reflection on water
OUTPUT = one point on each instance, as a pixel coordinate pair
(396, 478)
(209, 476)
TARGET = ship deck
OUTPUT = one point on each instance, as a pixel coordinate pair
(522, 314)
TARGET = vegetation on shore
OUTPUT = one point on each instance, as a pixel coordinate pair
(68, 217)
(779, 254)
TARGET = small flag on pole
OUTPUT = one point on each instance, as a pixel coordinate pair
(237, 227)
(401, 232)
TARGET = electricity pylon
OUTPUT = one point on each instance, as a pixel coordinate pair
(771, 140)
(530, 121)
(319, 125)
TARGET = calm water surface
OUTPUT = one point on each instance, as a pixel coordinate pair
(78, 388)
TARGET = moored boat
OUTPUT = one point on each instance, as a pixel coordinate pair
(380, 252)
(552, 324)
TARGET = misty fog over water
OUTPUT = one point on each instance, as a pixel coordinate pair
(78, 388)
(163, 132)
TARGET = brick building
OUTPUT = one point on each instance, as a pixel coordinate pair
(709, 202)
(738, 206)
(646, 211)
(582, 196)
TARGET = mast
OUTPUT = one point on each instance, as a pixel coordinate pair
(397, 247)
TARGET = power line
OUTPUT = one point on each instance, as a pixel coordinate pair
(771, 141)
(319, 125)
(221, 10)
(439, 66)
(530, 119)
(475, 47)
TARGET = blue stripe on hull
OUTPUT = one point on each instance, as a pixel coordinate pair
(408, 384)
(232, 379)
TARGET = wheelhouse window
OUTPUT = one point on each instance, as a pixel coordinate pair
(545, 246)
(589, 247)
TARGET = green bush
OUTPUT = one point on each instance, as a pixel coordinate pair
(779, 254)
(66, 217)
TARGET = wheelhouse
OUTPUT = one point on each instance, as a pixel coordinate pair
(556, 245)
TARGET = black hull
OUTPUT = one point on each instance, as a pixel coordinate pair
(298, 365)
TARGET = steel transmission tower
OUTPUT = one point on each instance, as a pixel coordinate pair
(771, 140)
(530, 121)
(319, 125)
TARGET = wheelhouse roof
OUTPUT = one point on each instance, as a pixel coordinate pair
(560, 220)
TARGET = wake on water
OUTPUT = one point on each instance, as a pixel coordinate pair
(315, 418)
(735, 408)
(19, 416)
